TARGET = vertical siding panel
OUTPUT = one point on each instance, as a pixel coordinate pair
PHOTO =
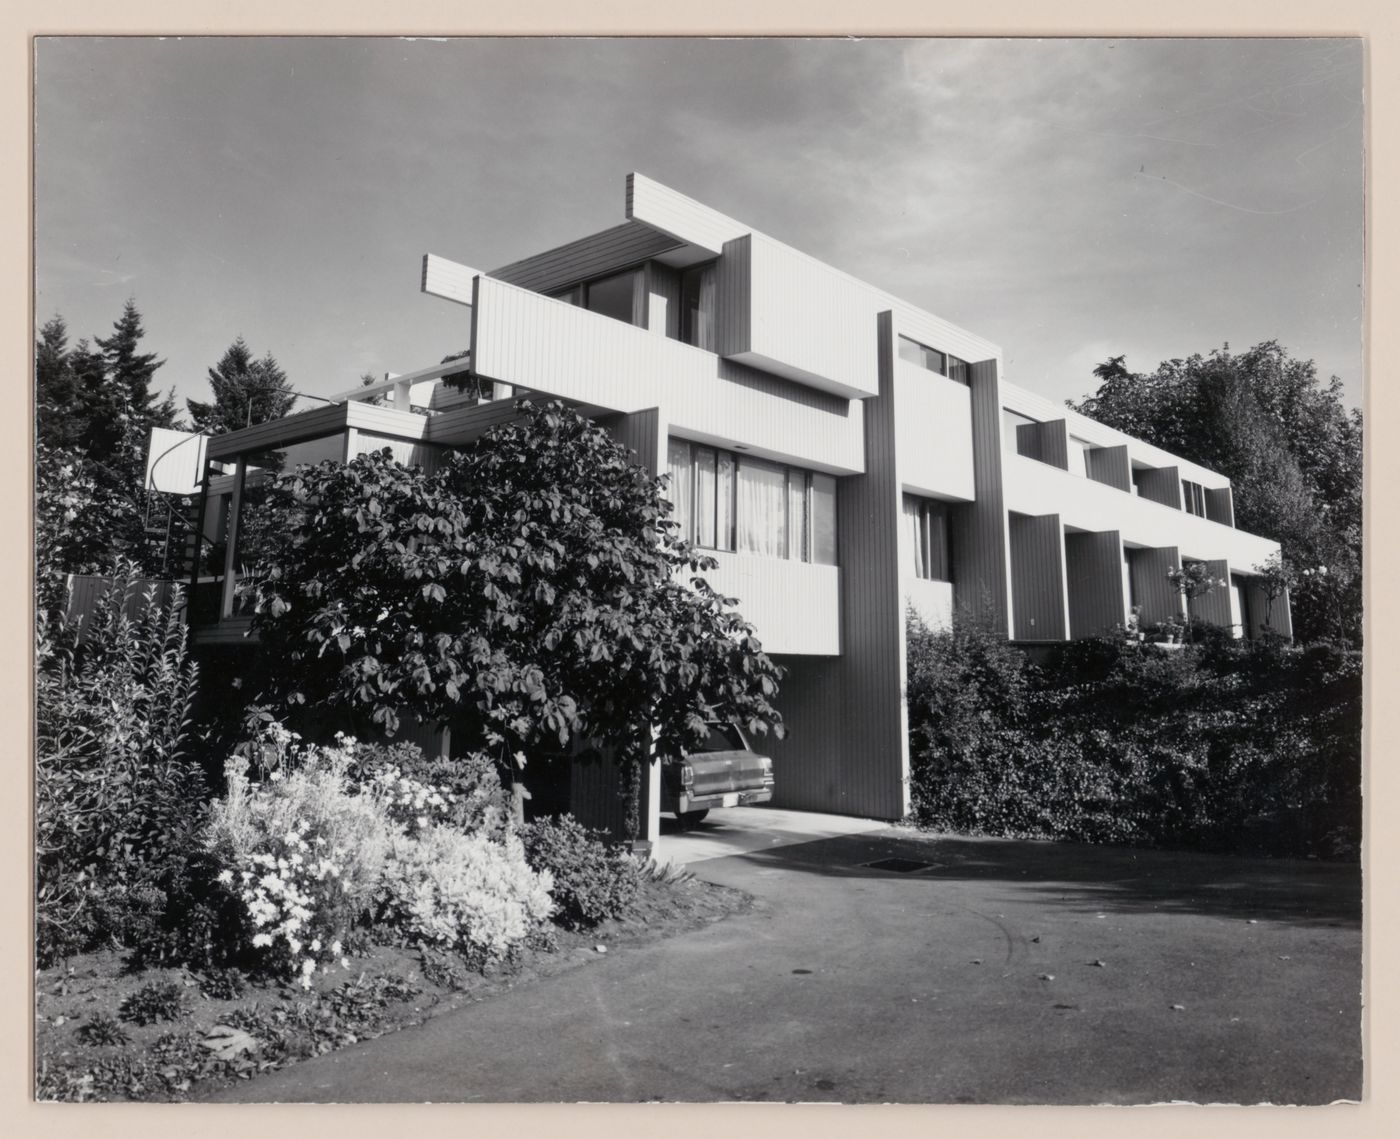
(1161, 484)
(1094, 582)
(1220, 506)
(663, 291)
(734, 298)
(1110, 465)
(1148, 567)
(1054, 443)
(866, 778)
(1037, 577)
(979, 529)
(1215, 605)
(1280, 620)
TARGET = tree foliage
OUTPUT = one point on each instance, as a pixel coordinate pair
(246, 391)
(1290, 447)
(528, 590)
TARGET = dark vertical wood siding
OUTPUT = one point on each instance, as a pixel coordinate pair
(1160, 484)
(809, 766)
(1054, 443)
(734, 297)
(979, 529)
(868, 781)
(87, 593)
(1215, 605)
(1154, 593)
(1094, 582)
(1029, 440)
(1279, 619)
(1037, 577)
(1110, 465)
(1220, 506)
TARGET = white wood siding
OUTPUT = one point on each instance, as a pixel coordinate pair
(795, 606)
(559, 350)
(933, 423)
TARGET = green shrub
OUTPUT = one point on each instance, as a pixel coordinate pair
(154, 1002)
(102, 1029)
(475, 801)
(117, 796)
(1222, 745)
(594, 879)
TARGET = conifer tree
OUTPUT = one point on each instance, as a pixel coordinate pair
(246, 391)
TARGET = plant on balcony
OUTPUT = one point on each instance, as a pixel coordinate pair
(530, 591)
(1192, 580)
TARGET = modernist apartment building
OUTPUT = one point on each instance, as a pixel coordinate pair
(844, 455)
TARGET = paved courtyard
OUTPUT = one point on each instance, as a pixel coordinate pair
(988, 971)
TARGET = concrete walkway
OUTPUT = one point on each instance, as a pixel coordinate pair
(749, 830)
(989, 971)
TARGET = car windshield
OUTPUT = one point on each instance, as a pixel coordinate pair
(722, 737)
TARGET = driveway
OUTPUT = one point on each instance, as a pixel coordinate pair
(993, 971)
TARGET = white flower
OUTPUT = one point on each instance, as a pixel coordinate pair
(335, 948)
(308, 966)
(345, 962)
(316, 945)
(225, 877)
(261, 940)
(276, 777)
(295, 945)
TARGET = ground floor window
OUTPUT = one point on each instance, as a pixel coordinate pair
(726, 501)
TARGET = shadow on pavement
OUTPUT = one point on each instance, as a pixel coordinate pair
(1101, 878)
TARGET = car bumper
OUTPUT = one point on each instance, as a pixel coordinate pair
(685, 802)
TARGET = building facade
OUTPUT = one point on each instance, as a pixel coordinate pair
(845, 457)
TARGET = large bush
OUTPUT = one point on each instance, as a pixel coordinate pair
(117, 794)
(1244, 745)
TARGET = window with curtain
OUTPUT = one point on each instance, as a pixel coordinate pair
(725, 501)
(698, 306)
(926, 529)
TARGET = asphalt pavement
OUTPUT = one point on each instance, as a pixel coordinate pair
(965, 971)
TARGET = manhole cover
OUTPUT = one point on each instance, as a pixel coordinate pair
(898, 865)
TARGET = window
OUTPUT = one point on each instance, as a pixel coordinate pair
(1193, 498)
(698, 306)
(1083, 446)
(926, 525)
(933, 360)
(613, 296)
(725, 501)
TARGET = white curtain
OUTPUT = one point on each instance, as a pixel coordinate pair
(705, 314)
(682, 485)
(913, 535)
(762, 521)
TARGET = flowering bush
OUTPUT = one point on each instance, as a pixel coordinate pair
(311, 852)
(464, 892)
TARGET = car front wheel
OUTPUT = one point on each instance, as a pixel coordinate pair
(691, 818)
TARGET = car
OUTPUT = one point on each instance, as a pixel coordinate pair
(724, 771)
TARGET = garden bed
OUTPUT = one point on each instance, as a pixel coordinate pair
(218, 1036)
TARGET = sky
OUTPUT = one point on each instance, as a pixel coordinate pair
(1067, 199)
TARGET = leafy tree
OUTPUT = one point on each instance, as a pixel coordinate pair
(246, 391)
(527, 591)
(1292, 451)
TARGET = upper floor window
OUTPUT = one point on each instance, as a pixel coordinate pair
(1193, 498)
(933, 360)
(697, 324)
(616, 296)
(725, 501)
(926, 527)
